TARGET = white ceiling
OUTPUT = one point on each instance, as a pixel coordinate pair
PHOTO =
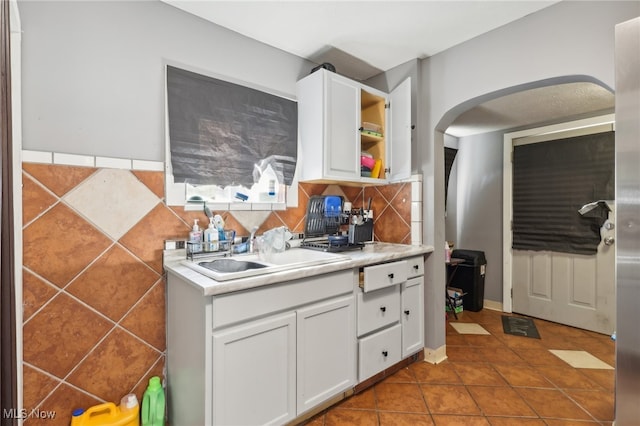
(363, 38)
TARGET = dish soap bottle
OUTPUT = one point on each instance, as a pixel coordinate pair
(194, 245)
(153, 404)
(211, 237)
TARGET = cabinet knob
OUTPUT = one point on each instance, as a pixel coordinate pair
(385, 353)
(390, 276)
(383, 308)
(407, 312)
(416, 267)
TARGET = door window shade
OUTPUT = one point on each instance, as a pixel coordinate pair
(551, 181)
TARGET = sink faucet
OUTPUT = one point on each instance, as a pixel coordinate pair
(252, 240)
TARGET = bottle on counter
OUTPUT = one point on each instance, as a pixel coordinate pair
(194, 245)
(211, 236)
(447, 252)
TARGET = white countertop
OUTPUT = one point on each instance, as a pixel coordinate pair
(371, 254)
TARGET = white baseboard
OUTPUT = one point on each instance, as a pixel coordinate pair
(435, 356)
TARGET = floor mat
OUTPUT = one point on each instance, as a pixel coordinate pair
(519, 326)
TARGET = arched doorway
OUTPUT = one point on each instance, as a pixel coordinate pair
(473, 215)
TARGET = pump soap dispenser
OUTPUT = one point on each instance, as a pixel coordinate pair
(211, 237)
(194, 245)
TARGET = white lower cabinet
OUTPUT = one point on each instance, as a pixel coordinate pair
(326, 351)
(254, 372)
(390, 315)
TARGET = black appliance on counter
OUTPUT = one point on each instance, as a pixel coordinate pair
(322, 226)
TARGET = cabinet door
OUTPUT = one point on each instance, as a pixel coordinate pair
(326, 351)
(342, 148)
(254, 368)
(412, 316)
(399, 150)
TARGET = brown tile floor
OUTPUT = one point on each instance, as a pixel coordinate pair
(495, 379)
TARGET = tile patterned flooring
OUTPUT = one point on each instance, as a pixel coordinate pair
(493, 379)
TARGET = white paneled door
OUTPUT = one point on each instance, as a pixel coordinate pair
(572, 289)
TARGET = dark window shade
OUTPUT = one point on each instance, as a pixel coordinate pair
(220, 131)
(551, 181)
(449, 157)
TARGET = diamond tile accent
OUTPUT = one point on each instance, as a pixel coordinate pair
(61, 334)
(113, 283)
(60, 244)
(115, 212)
(581, 359)
(116, 364)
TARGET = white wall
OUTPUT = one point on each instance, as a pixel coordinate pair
(93, 72)
(475, 207)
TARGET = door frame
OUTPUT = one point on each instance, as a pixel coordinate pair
(538, 134)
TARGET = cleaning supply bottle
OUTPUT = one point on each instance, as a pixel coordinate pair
(153, 404)
(211, 237)
(194, 245)
(108, 414)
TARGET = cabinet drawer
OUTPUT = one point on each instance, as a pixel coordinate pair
(379, 351)
(384, 275)
(415, 266)
(378, 309)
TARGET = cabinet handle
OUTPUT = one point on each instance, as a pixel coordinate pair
(407, 312)
(385, 353)
(361, 128)
(383, 308)
(391, 276)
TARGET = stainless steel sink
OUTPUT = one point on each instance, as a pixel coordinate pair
(248, 265)
(231, 265)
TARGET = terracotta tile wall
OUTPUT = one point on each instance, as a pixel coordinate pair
(93, 287)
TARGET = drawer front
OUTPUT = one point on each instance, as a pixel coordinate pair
(235, 307)
(415, 266)
(378, 309)
(384, 275)
(379, 351)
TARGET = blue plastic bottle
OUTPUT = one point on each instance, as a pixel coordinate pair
(152, 413)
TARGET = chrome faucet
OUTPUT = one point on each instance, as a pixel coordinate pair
(252, 240)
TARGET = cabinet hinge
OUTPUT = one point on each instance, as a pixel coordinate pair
(387, 105)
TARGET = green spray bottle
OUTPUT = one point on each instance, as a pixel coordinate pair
(152, 413)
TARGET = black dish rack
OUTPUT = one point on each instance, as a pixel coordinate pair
(322, 227)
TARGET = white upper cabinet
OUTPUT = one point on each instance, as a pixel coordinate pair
(341, 120)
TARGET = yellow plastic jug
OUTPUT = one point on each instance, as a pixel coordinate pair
(109, 414)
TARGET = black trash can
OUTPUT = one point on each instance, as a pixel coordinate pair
(469, 277)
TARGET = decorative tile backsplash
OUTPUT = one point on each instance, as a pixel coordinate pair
(93, 284)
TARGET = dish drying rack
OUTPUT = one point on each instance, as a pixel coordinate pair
(320, 222)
